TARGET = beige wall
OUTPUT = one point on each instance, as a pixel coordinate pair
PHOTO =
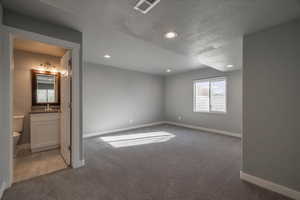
(23, 62)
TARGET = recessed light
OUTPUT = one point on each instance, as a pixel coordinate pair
(171, 35)
(229, 66)
(215, 46)
(168, 70)
(107, 56)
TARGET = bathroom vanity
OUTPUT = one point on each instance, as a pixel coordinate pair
(44, 130)
(44, 120)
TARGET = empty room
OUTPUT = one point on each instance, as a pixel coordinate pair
(149, 99)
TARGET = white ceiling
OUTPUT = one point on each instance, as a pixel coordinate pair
(210, 31)
(38, 47)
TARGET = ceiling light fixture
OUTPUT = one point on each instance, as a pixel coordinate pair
(229, 66)
(171, 35)
(215, 46)
(107, 56)
(168, 70)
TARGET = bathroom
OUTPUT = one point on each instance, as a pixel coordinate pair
(41, 107)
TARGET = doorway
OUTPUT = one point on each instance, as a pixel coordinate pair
(9, 34)
(41, 108)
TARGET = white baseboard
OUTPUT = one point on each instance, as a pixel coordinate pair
(237, 135)
(78, 164)
(90, 135)
(95, 134)
(44, 148)
(3, 187)
(271, 186)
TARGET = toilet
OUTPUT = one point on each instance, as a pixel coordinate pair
(17, 130)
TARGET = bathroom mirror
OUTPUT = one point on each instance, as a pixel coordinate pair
(45, 88)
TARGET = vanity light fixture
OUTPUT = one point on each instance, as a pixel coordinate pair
(64, 73)
(168, 70)
(46, 67)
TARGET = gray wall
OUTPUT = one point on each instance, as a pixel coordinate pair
(1, 14)
(115, 96)
(271, 106)
(13, 19)
(4, 110)
(23, 63)
(4, 116)
(179, 100)
(28, 23)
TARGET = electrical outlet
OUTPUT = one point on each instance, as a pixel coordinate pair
(179, 118)
(131, 121)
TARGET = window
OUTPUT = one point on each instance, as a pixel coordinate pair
(210, 95)
(45, 96)
(45, 88)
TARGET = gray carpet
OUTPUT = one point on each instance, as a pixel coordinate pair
(170, 163)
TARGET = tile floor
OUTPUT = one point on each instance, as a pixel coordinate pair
(30, 165)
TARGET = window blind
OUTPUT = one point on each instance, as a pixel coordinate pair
(210, 95)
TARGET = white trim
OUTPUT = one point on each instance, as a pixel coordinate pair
(227, 133)
(2, 189)
(79, 163)
(99, 133)
(9, 63)
(44, 147)
(270, 186)
(95, 134)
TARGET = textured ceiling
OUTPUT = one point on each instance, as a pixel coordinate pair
(38, 47)
(210, 31)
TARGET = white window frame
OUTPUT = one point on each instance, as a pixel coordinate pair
(209, 80)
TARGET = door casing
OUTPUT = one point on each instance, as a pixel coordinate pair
(10, 33)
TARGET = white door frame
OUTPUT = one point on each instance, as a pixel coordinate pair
(77, 144)
(65, 129)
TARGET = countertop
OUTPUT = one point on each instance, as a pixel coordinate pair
(44, 112)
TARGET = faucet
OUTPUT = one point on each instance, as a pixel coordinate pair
(48, 108)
